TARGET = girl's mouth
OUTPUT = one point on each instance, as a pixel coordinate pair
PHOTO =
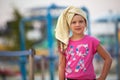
(78, 29)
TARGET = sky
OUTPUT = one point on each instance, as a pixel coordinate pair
(96, 7)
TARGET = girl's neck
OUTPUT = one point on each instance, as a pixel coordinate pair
(77, 37)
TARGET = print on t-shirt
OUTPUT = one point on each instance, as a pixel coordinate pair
(80, 51)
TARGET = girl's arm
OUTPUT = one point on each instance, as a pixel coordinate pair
(107, 62)
(61, 68)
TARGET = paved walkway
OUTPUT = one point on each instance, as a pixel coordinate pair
(110, 77)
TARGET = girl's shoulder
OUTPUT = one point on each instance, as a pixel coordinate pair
(90, 37)
(93, 39)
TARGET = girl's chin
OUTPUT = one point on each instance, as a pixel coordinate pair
(78, 33)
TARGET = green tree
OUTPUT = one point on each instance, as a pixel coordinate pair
(15, 33)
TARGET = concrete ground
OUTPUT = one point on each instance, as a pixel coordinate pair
(37, 77)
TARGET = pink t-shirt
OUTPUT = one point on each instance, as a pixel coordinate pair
(79, 56)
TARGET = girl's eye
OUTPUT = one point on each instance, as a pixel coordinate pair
(81, 21)
(73, 22)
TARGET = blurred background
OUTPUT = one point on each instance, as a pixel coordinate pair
(28, 21)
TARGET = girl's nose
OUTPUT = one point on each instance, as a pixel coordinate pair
(78, 24)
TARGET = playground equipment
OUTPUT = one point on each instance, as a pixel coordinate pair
(114, 18)
(30, 53)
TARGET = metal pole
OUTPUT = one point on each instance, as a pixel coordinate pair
(42, 68)
(117, 50)
(22, 47)
(50, 43)
(31, 66)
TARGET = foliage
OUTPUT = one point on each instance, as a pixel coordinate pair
(14, 32)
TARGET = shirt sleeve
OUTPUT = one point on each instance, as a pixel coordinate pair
(95, 42)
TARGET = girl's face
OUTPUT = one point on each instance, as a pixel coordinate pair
(78, 24)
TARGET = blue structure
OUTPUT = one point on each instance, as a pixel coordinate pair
(15, 54)
(114, 18)
(23, 45)
(49, 18)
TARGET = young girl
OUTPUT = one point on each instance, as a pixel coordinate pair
(77, 51)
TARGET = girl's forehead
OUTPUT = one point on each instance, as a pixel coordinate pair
(77, 16)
